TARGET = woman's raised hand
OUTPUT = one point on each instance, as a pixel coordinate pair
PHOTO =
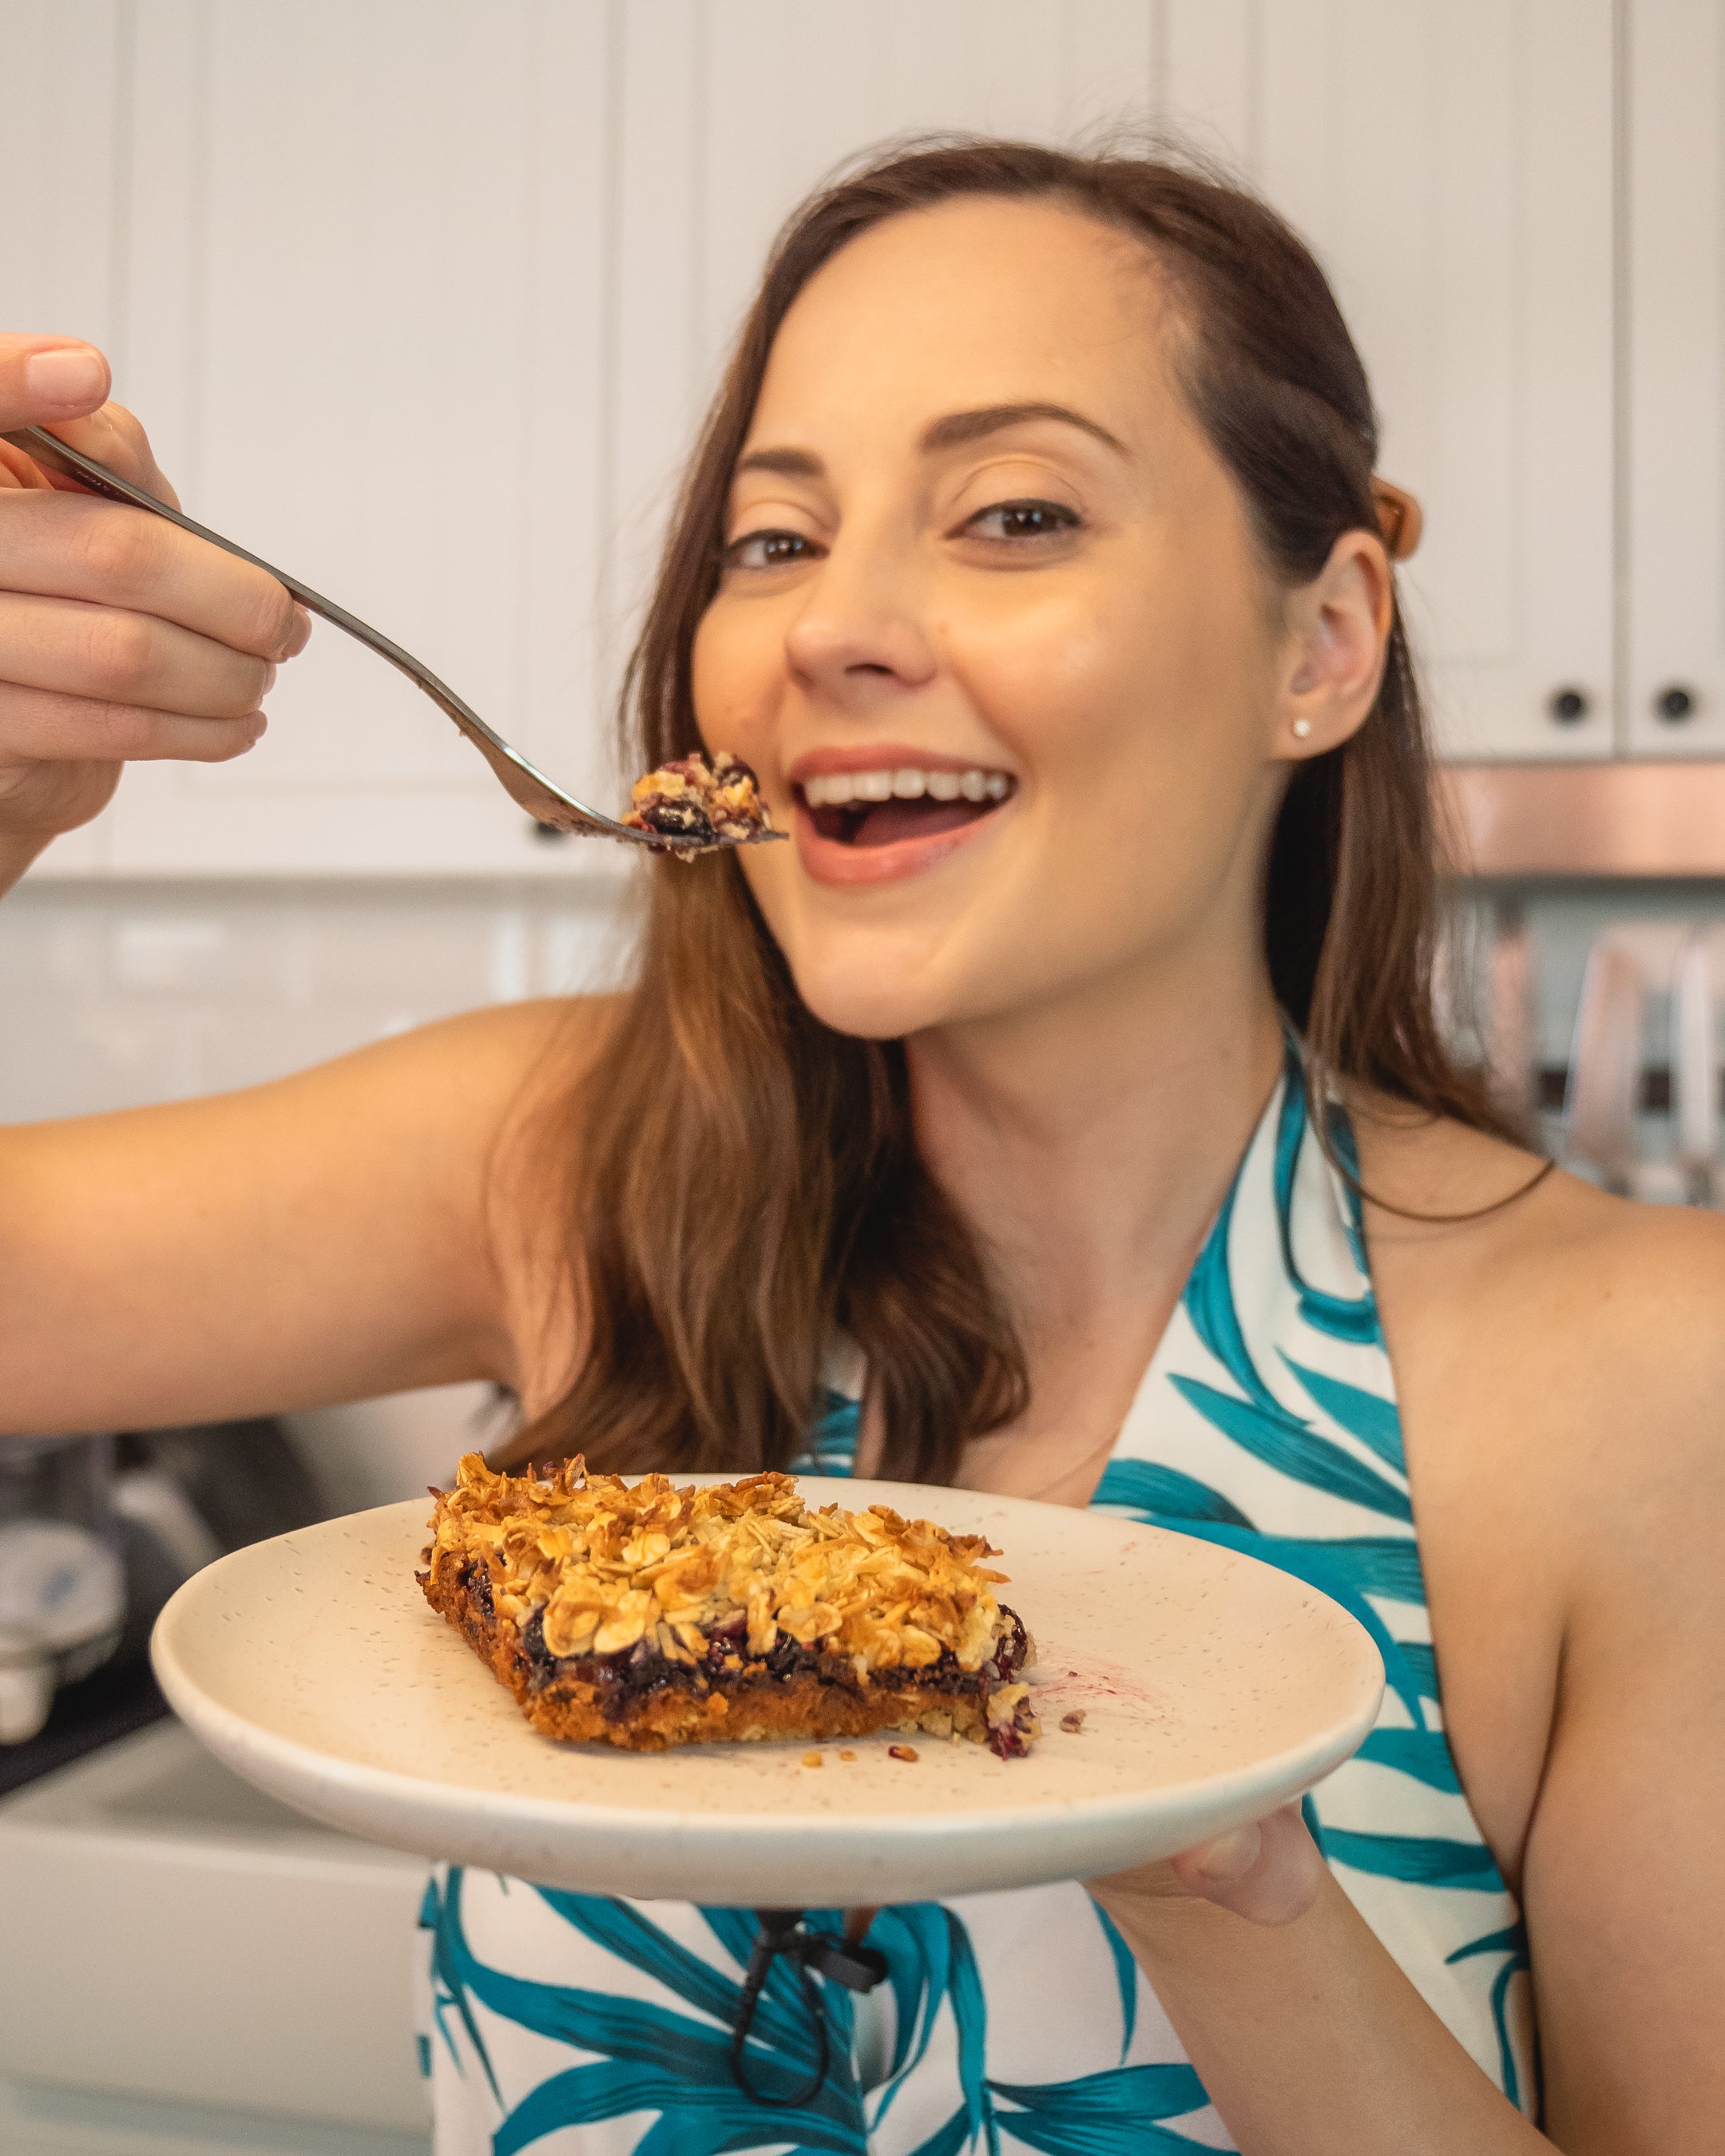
(121, 637)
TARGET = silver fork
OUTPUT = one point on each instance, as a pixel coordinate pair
(525, 784)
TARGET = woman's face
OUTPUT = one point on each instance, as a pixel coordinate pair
(977, 547)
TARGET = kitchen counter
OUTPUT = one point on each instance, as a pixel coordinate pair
(192, 1967)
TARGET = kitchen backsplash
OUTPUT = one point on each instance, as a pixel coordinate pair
(114, 994)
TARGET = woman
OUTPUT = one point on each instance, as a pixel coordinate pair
(1018, 1141)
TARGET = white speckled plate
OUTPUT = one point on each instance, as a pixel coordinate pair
(1213, 1689)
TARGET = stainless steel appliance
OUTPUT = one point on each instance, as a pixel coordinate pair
(1622, 864)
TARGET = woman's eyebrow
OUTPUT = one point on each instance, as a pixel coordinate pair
(959, 428)
(953, 432)
(789, 463)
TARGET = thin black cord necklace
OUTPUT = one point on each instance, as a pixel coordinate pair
(780, 1931)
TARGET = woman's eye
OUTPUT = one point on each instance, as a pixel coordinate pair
(767, 550)
(1022, 519)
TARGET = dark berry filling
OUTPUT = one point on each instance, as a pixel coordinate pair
(1007, 1741)
(678, 819)
(621, 1678)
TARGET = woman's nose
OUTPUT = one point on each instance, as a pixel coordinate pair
(858, 633)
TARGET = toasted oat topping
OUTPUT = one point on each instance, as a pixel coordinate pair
(688, 799)
(610, 1565)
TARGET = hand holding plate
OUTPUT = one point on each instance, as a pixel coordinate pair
(1269, 1873)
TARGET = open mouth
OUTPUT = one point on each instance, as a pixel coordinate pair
(883, 807)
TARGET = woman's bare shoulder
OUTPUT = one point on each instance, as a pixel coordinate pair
(1528, 1215)
(470, 1081)
(502, 1046)
(1601, 1319)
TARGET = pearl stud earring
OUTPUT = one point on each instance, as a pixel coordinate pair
(1303, 728)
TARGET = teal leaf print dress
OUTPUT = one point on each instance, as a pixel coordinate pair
(570, 2025)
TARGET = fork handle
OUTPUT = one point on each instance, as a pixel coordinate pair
(524, 783)
(58, 456)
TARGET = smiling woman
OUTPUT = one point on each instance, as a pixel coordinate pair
(1062, 1114)
(993, 605)
(1033, 558)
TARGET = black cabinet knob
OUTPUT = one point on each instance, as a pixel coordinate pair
(1568, 706)
(1676, 703)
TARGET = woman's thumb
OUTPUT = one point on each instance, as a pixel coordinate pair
(1269, 1873)
(45, 379)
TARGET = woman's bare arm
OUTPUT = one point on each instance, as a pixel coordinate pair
(1624, 1876)
(328, 1237)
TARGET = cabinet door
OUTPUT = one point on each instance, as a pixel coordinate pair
(1675, 457)
(367, 275)
(1451, 161)
(60, 269)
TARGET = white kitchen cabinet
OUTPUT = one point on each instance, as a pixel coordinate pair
(367, 303)
(1675, 447)
(1450, 163)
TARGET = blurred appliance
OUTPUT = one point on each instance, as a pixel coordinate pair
(95, 1533)
(1640, 1092)
(1594, 822)
(205, 1970)
(62, 1582)
(1694, 1070)
(1632, 970)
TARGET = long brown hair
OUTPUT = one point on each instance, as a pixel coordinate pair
(744, 1180)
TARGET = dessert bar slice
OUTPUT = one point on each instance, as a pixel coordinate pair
(645, 1615)
(686, 801)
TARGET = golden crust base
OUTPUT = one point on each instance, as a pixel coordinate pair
(756, 1709)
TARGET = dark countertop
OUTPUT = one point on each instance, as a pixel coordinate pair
(112, 1702)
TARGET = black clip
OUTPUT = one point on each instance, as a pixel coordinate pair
(857, 1967)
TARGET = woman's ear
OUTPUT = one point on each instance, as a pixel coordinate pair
(1338, 633)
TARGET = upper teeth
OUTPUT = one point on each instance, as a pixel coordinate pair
(833, 789)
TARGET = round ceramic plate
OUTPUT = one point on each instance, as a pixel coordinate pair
(1211, 1688)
